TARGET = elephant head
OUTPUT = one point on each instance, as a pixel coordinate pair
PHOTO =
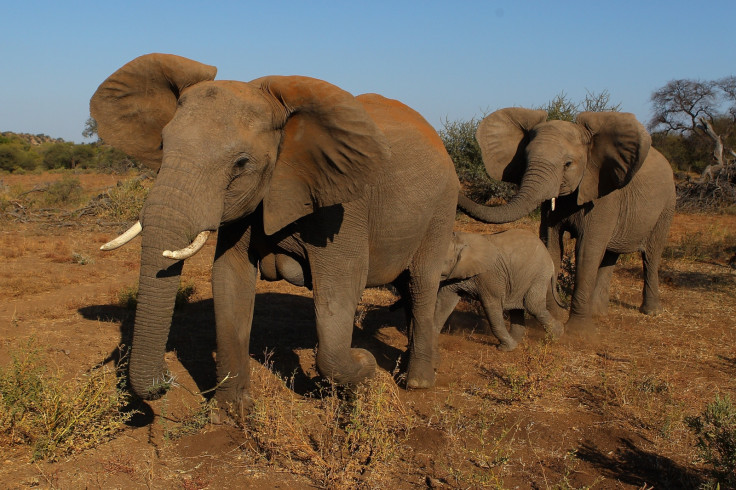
(593, 156)
(469, 254)
(224, 150)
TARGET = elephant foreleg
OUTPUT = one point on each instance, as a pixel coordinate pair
(553, 238)
(601, 292)
(233, 290)
(588, 257)
(339, 276)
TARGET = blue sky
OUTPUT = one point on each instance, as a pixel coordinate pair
(453, 59)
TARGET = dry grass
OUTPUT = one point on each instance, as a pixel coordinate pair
(337, 440)
(55, 417)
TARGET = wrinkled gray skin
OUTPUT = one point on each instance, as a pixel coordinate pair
(356, 191)
(614, 194)
(505, 271)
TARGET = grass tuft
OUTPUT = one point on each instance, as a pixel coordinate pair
(339, 441)
(53, 416)
(715, 429)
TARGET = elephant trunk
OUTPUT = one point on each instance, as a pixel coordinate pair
(157, 287)
(171, 220)
(536, 187)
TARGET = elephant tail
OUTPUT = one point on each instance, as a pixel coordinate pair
(556, 293)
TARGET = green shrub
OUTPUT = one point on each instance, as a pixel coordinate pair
(68, 190)
(122, 202)
(715, 430)
(459, 140)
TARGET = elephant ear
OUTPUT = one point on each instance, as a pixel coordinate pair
(502, 137)
(134, 104)
(619, 144)
(470, 254)
(330, 151)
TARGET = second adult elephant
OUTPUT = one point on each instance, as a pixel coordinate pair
(597, 178)
(351, 191)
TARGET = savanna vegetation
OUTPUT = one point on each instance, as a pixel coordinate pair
(649, 405)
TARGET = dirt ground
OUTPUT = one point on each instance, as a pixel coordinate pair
(564, 414)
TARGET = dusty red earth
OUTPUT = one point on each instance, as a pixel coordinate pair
(568, 414)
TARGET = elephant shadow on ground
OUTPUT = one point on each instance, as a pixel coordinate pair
(282, 325)
(632, 465)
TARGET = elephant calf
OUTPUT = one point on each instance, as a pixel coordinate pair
(511, 270)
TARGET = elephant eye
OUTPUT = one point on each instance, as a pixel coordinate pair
(568, 163)
(241, 162)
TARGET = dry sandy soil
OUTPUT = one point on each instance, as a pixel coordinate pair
(565, 414)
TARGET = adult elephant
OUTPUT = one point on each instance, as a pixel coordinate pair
(598, 179)
(357, 191)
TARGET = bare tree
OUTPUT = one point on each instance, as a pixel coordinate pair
(695, 106)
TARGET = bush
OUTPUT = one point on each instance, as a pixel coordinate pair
(54, 416)
(459, 139)
(14, 157)
(122, 202)
(715, 430)
(68, 190)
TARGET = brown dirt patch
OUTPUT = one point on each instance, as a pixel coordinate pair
(547, 415)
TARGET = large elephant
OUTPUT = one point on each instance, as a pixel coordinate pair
(352, 191)
(598, 179)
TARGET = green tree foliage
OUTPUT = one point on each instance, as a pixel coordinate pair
(90, 129)
(564, 109)
(24, 152)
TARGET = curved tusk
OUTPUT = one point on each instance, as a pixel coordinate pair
(553, 204)
(192, 249)
(132, 232)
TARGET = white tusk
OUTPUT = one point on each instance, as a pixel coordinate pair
(192, 249)
(553, 204)
(132, 232)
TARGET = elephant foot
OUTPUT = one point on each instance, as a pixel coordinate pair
(581, 327)
(366, 365)
(554, 329)
(600, 309)
(650, 309)
(349, 372)
(517, 332)
(507, 346)
(231, 409)
(420, 376)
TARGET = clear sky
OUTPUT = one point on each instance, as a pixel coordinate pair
(446, 59)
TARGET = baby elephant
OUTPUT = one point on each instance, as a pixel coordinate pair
(511, 270)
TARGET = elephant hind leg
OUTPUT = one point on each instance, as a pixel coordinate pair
(535, 304)
(517, 327)
(651, 257)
